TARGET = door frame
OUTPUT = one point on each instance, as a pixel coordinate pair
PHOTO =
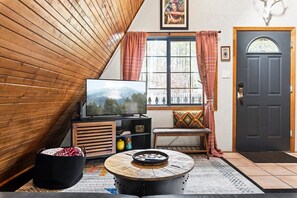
(292, 78)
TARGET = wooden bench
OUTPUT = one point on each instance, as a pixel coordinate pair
(201, 132)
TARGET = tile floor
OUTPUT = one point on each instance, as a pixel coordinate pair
(269, 176)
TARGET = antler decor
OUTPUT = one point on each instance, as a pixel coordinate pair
(266, 9)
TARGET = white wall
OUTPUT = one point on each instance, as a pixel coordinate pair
(208, 15)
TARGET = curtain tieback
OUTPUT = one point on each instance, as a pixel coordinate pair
(209, 104)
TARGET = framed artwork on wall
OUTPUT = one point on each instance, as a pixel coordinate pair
(174, 15)
(225, 53)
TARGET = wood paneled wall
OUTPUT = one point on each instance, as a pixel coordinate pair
(47, 50)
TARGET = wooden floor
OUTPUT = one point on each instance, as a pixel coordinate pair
(269, 176)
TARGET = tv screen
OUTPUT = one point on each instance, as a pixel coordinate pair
(115, 97)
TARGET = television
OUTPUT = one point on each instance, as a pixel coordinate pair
(115, 97)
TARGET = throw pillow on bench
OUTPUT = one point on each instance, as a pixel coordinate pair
(188, 119)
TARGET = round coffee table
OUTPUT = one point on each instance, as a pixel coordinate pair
(136, 179)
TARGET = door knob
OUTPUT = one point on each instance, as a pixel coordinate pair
(240, 93)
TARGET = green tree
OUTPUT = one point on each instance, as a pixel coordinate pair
(140, 99)
(110, 106)
(93, 109)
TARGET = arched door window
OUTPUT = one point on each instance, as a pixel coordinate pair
(263, 45)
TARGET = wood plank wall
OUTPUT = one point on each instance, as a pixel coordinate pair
(47, 50)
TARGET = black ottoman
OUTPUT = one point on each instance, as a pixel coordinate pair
(57, 172)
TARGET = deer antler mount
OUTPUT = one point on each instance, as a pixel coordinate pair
(268, 8)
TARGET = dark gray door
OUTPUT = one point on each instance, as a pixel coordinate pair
(263, 91)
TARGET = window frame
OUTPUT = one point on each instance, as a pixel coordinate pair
(169, 40)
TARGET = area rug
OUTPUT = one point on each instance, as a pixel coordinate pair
(269, 157)
(213, 176)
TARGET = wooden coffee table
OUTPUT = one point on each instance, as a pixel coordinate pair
(135, 179)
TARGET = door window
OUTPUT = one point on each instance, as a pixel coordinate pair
(263, 45)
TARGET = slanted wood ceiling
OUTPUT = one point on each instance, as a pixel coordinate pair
(47, 50)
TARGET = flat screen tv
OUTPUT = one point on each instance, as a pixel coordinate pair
(115, 97)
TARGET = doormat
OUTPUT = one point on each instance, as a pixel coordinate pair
(269, 157)
(213, 176)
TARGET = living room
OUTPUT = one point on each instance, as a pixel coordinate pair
(50, 48)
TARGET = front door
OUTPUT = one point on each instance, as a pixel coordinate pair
(263, 91)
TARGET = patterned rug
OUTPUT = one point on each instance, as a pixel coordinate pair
(213, 176)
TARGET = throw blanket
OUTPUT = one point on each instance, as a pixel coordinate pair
(69, 151)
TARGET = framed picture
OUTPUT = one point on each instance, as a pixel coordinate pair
(174, 15)
(225, 53)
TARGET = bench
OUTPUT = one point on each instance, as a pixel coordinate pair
(201, 132)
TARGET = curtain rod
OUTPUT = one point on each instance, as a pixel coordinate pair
(219, 31)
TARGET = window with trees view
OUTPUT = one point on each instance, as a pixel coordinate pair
(171, 71)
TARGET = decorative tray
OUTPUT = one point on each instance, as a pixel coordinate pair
(150, 157)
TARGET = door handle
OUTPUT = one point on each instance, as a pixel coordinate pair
(240, 93)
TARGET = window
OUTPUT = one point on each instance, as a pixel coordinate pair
(171, 71)
(263, 45)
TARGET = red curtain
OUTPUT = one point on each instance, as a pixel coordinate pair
(132, 54)
(207, 58)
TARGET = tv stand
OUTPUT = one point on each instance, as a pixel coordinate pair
(140, 129)
(99, 135)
